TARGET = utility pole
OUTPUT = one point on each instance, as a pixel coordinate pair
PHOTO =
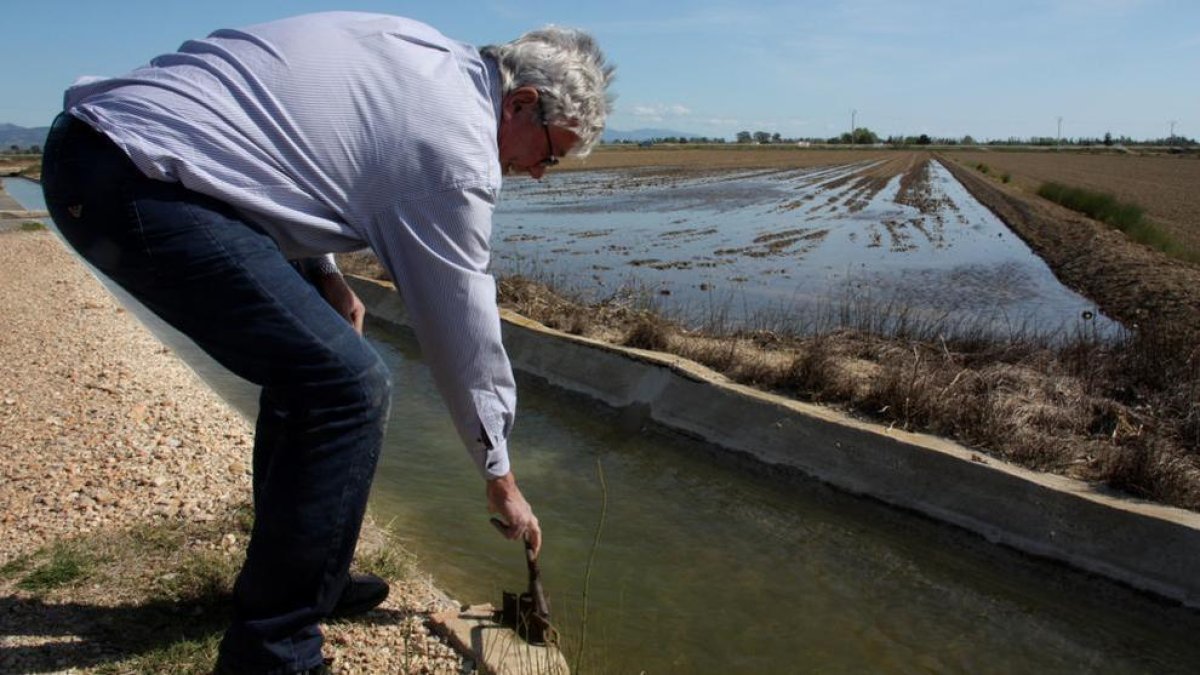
(1171, 138)
(853, 113)
(1058, 144)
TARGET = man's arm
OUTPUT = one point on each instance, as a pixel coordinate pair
(437, 251)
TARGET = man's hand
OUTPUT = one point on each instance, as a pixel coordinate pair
(337, 293)
(504, 499)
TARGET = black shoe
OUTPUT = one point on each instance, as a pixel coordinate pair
(362, 593)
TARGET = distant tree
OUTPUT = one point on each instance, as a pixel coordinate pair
(762, 137)
(744, 137)
(776, 138)
(1108, 141)
(924, 139)
(14, 148)
(968, 140)
(35, 149)
(862, 136)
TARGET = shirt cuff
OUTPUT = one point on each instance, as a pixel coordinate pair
(321, 266)
(491, 457)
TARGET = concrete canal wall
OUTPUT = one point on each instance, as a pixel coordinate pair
(1148, 546)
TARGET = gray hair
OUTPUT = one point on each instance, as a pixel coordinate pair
(569, 71)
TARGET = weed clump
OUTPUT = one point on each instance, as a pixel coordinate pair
(32, 226)
(64, 565)
(1126, 217)
(647, 332)
(1096, 205)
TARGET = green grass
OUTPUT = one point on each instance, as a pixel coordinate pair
(1124, 216)
(1097, 205)
(200, 578)
(387, 562)
(15, 567)
(188, 655)
(64, 565)
(32, 226)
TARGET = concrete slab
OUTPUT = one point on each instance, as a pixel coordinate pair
(1148, 546)
(496, 649)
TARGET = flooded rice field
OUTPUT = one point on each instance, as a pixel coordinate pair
(776, 248)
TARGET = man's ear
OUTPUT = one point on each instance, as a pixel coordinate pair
(518, 99)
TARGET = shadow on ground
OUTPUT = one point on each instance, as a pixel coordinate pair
(37, 636)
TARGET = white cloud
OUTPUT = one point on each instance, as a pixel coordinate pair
(657, 112)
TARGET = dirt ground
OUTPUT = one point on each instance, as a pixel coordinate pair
(1166, 186)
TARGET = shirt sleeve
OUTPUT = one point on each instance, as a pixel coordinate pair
(437, 251)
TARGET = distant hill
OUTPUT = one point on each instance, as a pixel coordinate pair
(22, 137)
(617, 136)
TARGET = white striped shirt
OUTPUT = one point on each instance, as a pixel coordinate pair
(335, 132)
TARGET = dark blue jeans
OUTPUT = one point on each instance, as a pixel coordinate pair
(222, 281)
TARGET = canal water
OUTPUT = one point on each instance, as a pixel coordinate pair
(785, 250)
(706, 563)
(27, 192)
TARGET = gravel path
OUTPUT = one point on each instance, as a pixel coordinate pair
(103, 429)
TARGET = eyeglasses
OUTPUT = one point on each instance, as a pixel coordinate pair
(550, 160)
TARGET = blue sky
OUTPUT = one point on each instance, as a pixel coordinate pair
(946, 68)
